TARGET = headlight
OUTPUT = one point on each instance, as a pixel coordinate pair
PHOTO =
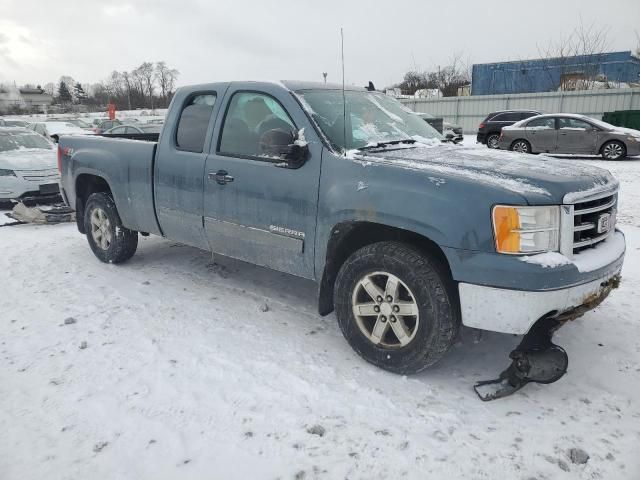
(6, 173)
(526, 229)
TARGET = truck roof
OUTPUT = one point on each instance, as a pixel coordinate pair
(293, 85)
(303, 85)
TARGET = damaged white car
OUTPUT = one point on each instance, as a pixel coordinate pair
(28, 167)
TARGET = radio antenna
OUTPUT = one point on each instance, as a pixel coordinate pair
(344, 101)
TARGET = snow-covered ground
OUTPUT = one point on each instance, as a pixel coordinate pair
(169, 367)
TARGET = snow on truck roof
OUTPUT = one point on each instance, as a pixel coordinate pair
(293, 85)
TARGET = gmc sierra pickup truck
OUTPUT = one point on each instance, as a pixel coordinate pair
(408, 237)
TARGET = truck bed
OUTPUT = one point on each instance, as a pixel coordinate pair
(126, 165)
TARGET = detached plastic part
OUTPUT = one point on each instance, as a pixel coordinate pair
(536, 359)
(42, 215)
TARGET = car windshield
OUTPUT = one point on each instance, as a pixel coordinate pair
(371, 118)
(16, 141)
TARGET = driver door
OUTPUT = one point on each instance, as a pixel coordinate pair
(256, 208)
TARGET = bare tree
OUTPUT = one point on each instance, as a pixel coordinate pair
(50, 88)
(145, 76)
(166, 78)
(128, 85)
(113, 85)
(447, 79)
(453, 76)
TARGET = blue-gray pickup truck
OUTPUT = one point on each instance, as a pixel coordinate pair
(408, 237)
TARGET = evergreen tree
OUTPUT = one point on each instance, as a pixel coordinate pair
(63, 93)
(79, 93)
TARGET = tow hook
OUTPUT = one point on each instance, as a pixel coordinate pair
(536, 359)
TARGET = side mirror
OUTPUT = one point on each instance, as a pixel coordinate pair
(284, 144)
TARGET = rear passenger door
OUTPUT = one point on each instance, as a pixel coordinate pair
(255, 208)
(180, 161)
(576, 136)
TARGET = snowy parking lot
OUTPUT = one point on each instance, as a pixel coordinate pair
(178, 364)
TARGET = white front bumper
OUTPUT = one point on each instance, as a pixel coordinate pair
(515, 311)
(15, 186)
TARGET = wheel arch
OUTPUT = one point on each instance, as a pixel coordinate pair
(87, 184)
(349, 236)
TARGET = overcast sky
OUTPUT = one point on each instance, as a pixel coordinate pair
(288, 39)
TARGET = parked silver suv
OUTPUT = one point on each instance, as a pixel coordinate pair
(570, 133)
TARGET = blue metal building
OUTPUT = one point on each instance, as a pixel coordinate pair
(547, 75)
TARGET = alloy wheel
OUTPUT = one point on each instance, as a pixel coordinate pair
(613, 151)
(101, 229)
(385, 310)
(521, 147)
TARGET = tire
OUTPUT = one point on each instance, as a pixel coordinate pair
(108, 239)
(613, 150)
(492, 140)
(520, 146)
(429, 334)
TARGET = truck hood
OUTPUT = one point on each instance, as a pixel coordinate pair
(29, 159)
(537, 178)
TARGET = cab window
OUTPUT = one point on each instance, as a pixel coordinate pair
(194, 121)
(255, 124)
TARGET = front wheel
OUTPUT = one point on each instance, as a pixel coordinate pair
(396, 307)
(108, 239)
(521, 146)
(614, 151)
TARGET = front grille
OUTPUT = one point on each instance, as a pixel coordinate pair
(589, 217)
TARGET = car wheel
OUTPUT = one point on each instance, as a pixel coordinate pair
(492, 140)
(396, 306)
(614, 150)
(108, 239)
(521, 146)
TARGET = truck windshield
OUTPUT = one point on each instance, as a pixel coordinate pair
(371, 118)
(16, 141)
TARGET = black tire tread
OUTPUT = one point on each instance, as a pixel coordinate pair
(125, 241)
(433, 279)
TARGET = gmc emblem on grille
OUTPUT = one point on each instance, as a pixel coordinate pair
(604, 223)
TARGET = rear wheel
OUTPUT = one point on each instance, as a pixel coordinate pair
(521, 146)
(614, 150)
(108, 239)
(492, 140)
(396, 307)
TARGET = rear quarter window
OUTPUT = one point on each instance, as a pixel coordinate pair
(194, 121)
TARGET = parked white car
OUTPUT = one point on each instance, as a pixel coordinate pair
(53, 130)
(28, 165)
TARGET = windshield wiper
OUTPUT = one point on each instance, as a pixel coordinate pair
(386, 144)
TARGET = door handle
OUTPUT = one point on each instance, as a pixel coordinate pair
(221, 177)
